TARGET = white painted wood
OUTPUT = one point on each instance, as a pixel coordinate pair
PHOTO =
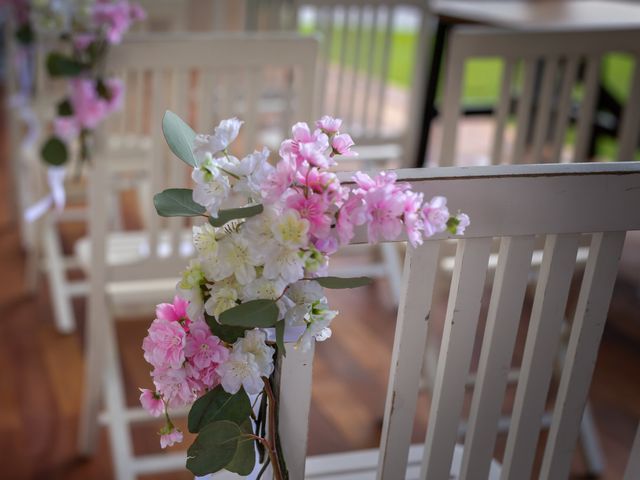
(502, 112)
(564, 105)
(463, 309)
(586, 114)
(410, 337)
(633, 465)
(544, 108)
(505, 309)
(523, 115)
(539, 353)
(582, 350)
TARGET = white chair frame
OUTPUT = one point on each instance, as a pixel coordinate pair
(156, 272)
(515, 204)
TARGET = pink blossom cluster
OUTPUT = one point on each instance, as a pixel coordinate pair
(89, 108)
(114, 18)
(184, 355)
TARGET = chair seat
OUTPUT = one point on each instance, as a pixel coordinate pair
(362, 465)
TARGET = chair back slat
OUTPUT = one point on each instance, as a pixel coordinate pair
(633, 465)
(410, 337)
(348, 114)
(582, 351)
(552, 290)
(549, 87)
(503, 319)
(463, 309)
(380, 102)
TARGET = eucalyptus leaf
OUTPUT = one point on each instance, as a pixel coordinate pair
(55, 152)
(245, 458)
(177, 202)
(214, 448)
(256, 313)
(217, 405)
(179, 137)
(226, 333)
(225, 216)
(280, 337)
(339, 282)
(452, 225)
(65, 109)
(59, 65)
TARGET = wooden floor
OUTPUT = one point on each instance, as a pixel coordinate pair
(41, 374)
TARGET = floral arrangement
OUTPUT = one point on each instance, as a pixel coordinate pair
(259, 275)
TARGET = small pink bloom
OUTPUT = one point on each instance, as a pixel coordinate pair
(328, 245)
(82, 40)
(342, 144)
(151, 402)
(137, 13)
(314, 209)
(203, 348)
(412, 217)
(173, 312)
(116, 94)
(329, 124)
(170, 438)
(464, 222)
(66, 128)
(435, 215)
(164, 345)
(278, 181)
(176, 387)
(351, 214)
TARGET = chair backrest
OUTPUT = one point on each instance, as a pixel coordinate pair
(514, 204)
(204, 78)
(372, 69)
(544, 67)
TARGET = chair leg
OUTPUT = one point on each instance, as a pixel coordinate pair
(590, 443)
(393, 265)
(58, 283)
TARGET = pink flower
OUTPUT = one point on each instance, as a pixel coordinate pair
(82, 40)
(313, 208)
(463, 223)
(278, 181)
(173, 312)
(307, 146)
(329, 124)
(384, 210)
(351, 214)
(412, 218)
(151, 402)
(342, 144)
(164, 345)
(176, 387)
(66, 128)
(115, 18)
(171, 437)
(435, 215)
(116, 94)
(88, 108)
(204, 349)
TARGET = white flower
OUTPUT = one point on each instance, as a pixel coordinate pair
(190, 288)
(305, 291)
(204, 239)
(284, 262)
(223, 297)
(291, 230)
(235, 257)
(253, 170)
(263, 288)
(253, 343)
(240, 369)
(212, 188)
(258, 229)
(224, 134)
(318, 321)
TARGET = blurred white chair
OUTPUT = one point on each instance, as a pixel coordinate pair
(203, 78)
(515, 204)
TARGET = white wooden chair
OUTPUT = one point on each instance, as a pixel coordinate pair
(514, 204)
(555, 57)
(203, 78)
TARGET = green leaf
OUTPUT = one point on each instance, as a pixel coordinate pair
(54, 152)
(65, 109)
(225, 333)
(179, 136)
(280, 337)
(256, 313)
(177, 202)
(214, 448)
(338, 282)
(245, 458)
(452, 225)
(217, 405)
(59, 65)
(25, 34)
(103, 90)
(225, 216)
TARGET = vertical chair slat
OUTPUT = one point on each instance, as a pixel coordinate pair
(348, 115)
(502, 112)
(505, 308)
(630, 123)
(587, 108)
(453, 99)
(632, 471)
(180, 101)
(327, 15)
(582, 351)
(524, 110)
(294, 379)
(556, 271)
(542, 115)
(253, 95)
(158, 104)
(421, 265)
(344, 43)
(384, 71)
(463, 309)
(564, 107)
(370, 61)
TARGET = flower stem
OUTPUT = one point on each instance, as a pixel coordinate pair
(275, 461)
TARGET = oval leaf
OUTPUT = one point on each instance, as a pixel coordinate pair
(245, 458)
(225, 333)
(217, 405)
(177, 202)
(179, 137)
(256, 313)
(59, 65)
(54, 152)
(214, 448)
(339, 282)
(225, 216)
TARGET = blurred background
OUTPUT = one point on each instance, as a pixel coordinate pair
(397, 74)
